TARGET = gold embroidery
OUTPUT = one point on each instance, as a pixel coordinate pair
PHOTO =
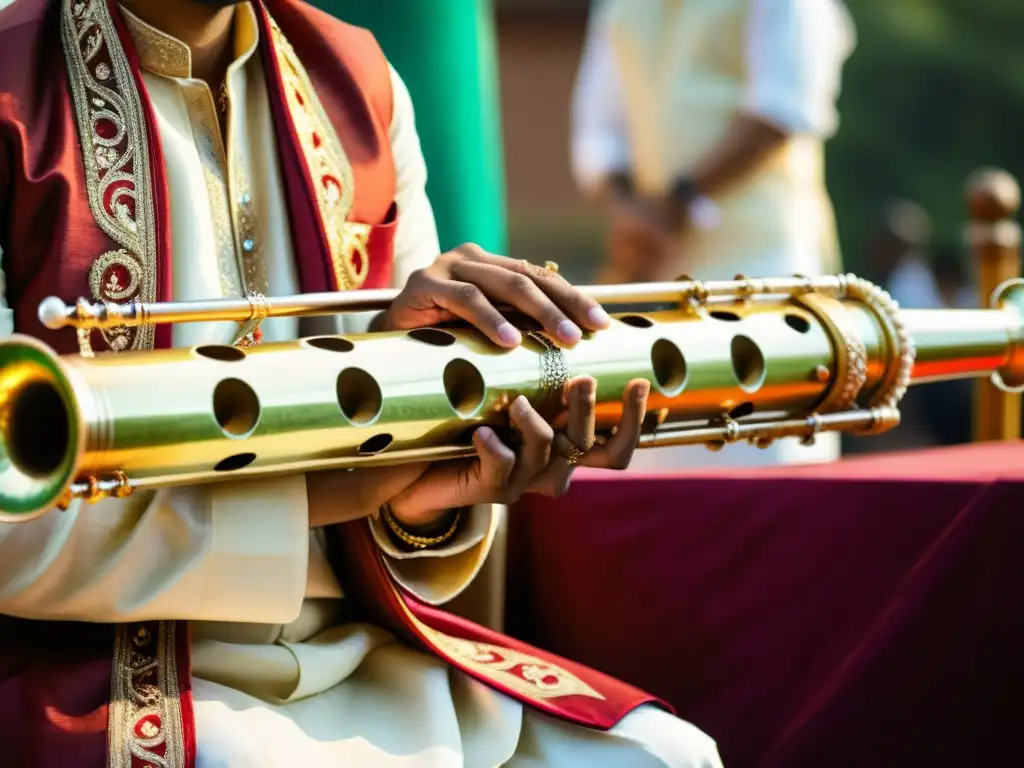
(115, 151)
(354, 241)
(212, 158)
(159, 53)
(114, 276)
(529, 676)
(521, 672)
(253, 265)
(145, 703)
(328, 165)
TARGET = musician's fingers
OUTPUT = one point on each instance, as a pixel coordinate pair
(617, 451)
(578, 436)
(519, 291)
(452, 484)
(535, 450)
(582, 416)
(469, 302)
(581, 309)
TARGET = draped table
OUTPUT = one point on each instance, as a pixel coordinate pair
(863, 613)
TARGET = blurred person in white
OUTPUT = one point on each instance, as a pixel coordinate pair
(699, 127)
(901, 248)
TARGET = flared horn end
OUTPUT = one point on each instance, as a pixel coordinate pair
(39, 429)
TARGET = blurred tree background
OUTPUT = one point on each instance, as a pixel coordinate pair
(934, 90)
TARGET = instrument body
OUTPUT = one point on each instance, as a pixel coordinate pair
(750, 360)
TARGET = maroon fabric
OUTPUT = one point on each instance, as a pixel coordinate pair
(856, 614)
(54, 691)
(367, 584)
(47, 231)
(351, 77)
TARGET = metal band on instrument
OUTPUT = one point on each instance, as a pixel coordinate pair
(554, 372)
(897, 380)
(851, 354)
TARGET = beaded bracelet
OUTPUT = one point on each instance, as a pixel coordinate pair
(412, 540)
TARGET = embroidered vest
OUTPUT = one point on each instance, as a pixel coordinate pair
(83, 199)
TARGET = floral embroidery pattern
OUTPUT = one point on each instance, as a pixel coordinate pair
(112, 131)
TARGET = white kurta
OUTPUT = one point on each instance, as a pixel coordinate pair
(659, 82)
(280, 678)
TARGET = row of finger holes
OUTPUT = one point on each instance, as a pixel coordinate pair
(748, 362)
(237, 407)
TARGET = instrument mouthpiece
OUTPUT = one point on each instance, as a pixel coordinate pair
(53, 313)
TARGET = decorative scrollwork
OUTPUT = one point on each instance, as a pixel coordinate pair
(329, 168)
(115, 156)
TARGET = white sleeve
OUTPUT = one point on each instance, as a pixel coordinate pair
(416, 243)
(228, 552)
(795, 57)
(599, 142)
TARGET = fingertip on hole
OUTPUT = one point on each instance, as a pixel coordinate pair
(509, 335)
(568, 332)
(641, 390)
(598, 318)
(585, 386)
(519, 406)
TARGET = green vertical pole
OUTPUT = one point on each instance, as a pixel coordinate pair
(446, 52)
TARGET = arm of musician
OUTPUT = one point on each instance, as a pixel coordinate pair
(796, 50)
(599, 144)
(438, 574)
(235, 552)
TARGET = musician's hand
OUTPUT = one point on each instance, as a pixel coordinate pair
(421, 493)
(500, 475)
(467, 283)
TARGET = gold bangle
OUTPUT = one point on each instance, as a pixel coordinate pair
(417, 542)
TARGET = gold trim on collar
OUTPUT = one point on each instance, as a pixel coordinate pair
(115, 155)
(328, 166)
(166, 55)
(158, 52)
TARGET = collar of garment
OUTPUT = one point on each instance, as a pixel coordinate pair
(163, 54)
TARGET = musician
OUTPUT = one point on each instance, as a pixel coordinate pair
(172, 149)
(698, 129)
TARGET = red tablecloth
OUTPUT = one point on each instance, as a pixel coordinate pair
(866, 613)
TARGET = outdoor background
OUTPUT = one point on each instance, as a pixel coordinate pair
(934, 90)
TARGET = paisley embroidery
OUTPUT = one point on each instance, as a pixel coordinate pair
(527, 675)
(329, 168)
(115, 276)
(115, 155)
(145, 727)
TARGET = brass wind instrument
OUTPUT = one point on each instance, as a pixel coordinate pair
(746, 359)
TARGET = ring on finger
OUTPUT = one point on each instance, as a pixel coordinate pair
(568, 450)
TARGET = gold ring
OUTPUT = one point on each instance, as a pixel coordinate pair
(551, 266)
(568, 450)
